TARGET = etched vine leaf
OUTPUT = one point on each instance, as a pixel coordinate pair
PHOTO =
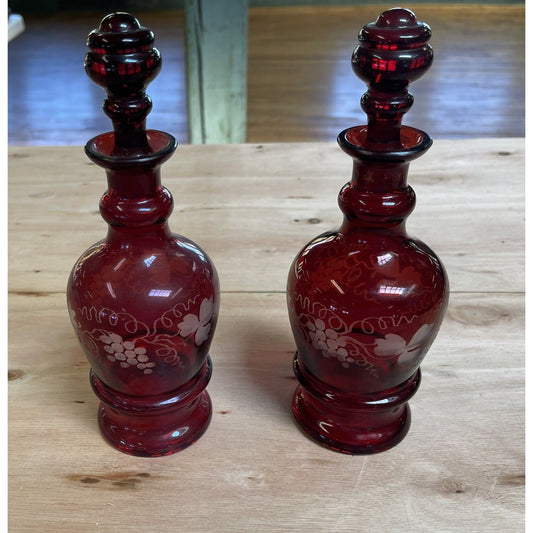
(393, 345)
(200, 325)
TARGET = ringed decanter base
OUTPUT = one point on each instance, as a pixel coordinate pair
(157, 425)
(350, 423)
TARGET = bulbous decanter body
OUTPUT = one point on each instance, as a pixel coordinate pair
(143, 301)
(366, 301)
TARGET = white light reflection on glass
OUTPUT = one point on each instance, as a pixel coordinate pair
(384, 401)
(180, 431)
(336, 285)
(324, 426)
(385, 258)
(318, 241)
(148, 261)
(110, 289)
(196, 250)
(119, 264)
(392, 291)
(162, 293)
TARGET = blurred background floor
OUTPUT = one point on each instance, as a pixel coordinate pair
(300, 83)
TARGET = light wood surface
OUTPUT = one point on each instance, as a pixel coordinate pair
(461, 467)
(300, 83)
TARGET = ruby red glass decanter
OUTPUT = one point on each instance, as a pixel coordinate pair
(143, 301)
(366, 301)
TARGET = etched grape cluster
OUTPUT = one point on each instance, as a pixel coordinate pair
(126, 353)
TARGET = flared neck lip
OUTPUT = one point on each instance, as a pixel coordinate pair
(352, 142)
(99, 151)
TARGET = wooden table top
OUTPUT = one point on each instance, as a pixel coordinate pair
(252, 207)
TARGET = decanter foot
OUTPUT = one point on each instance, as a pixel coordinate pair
(349, 433)
(155, 426)
(352, 424)
(155, 436)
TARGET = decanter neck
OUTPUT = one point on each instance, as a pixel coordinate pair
(152, 235)
(377, 196)
(379, 177)
(134, 183)
(135, 198)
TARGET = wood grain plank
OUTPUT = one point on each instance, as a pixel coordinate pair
(460, 468)
(302, 88)
(252, 207)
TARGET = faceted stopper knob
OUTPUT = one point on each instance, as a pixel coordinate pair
(123, 60)
(392, 52)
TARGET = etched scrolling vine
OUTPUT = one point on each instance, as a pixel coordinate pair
(336, 339)
(142, 346)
